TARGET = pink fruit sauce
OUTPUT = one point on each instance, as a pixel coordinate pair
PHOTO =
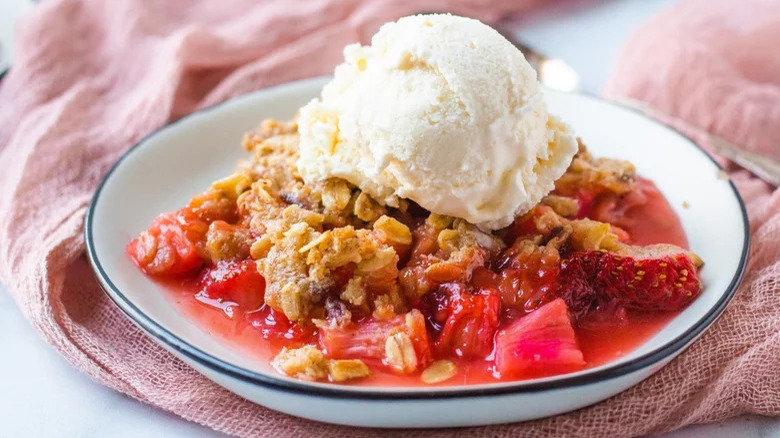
(602, 336)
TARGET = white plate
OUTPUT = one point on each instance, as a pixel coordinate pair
(169, 166)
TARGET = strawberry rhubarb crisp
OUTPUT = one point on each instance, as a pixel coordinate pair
(341, 287)
(427, 219)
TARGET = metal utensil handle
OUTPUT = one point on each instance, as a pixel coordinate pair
(763, 167)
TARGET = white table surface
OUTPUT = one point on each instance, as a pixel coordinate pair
(41, 395)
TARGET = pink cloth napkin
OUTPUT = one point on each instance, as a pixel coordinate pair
(95, 76)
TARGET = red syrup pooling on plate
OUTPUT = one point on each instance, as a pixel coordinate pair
(603, 335)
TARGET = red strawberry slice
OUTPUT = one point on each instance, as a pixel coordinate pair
(367, 339)
(169, 246)
(528, 276)
(469, 320)
(274, 325)
(538, 344)
(655, 277)
(235, 281)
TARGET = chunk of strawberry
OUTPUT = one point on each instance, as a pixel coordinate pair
(528, 276)
(655, 277)
(170, 245)
(585, 202)
(651, 278)
(577, 285)
(469, 320)
(538, 344)
(275, 326)
(367, 339)
(235, 281)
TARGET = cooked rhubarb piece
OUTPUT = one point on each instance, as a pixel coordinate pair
(469, 320)
(656, 277)
(540, 343)
(365, 340)
(402, 342)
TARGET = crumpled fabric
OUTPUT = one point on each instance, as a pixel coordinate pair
(93, 77)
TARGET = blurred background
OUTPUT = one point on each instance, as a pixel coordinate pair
(42, 395)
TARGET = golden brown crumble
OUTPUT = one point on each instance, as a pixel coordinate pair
(588, 173)
(305, 363)
(438, 372)
(563, 205)
(328, 250)
(308, 363)
(347, 369)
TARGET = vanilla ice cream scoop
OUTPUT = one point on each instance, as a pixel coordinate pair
(441, 110)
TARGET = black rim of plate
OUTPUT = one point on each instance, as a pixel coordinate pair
(218, 365)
